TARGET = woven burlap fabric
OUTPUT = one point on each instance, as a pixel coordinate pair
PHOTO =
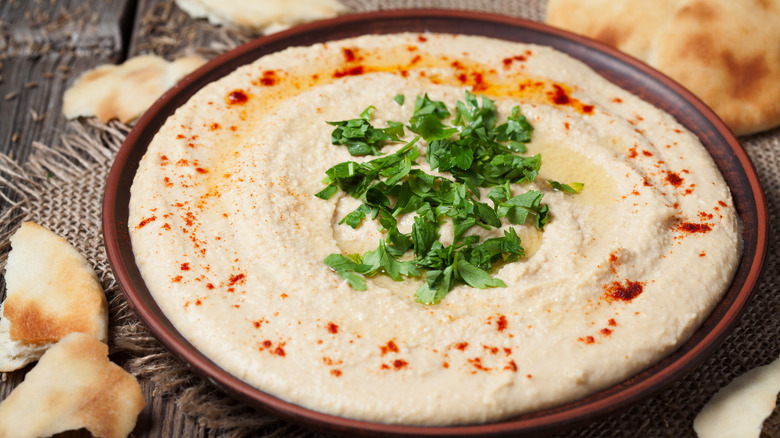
(61, 187)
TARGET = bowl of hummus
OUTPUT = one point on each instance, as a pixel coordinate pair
(435, 222)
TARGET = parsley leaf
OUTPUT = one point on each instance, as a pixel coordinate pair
(381, 260)
(346, 268)
(568, 188)
(426, 119)
(516, 130)
(362, 138)
(399, 99)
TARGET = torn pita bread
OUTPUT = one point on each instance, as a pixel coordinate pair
(726, 52)
(739, 409)
(125, 91)
(51, 291)
(264, 16)
(73, 386)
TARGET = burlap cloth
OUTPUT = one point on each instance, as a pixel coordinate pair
(61, 187)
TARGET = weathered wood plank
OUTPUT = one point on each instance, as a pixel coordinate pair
(34, 27)
(31, 98)
(161, 28)
(44, 46)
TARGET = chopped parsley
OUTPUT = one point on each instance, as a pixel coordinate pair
(473, 152)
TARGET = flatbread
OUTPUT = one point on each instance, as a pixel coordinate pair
(266, 16)
(725, 52)
(739, 409)
(73, 386)
(52, 291)
(125, 91)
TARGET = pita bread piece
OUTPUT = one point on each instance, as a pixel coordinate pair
(739, 409)
(73, 386)
(725, 52)
(265, 16)
(52, 291)
(125, 91)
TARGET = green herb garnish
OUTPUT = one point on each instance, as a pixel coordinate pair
(568, 188)
(475, 153)
(361, 138)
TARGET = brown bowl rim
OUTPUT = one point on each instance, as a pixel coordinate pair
(729, 154)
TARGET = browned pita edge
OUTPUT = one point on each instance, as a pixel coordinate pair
(73, 386)
(268, 18)
(125, 91)
(725, 52)
(51, 291)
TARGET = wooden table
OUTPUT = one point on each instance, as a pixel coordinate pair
(44, 46)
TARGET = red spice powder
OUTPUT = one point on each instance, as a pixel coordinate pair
(349, 54)
(146, 221)
(559, 96)
(689, 227)
(421, 39)
(612, 322)
(501, 324)
(335, 373)
(333, 328)
(491, 349)
(627, 292)
(352, 71)
(269, 78)
(462, 346)
(511, 366)
(400, 363)
(606, 331)
(237, 97)
(390, 347)
(236, 278)
(185, 266)
(477, 363)
(674, 179)
(479, 82)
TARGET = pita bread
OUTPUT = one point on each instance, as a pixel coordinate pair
(739, 409)
(266, 16)
(51, 292)
(74, 385)
(125, 91)
(726, 52)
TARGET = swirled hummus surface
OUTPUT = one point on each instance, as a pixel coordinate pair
(230, 238)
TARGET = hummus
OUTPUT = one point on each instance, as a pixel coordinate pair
(230, 238)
